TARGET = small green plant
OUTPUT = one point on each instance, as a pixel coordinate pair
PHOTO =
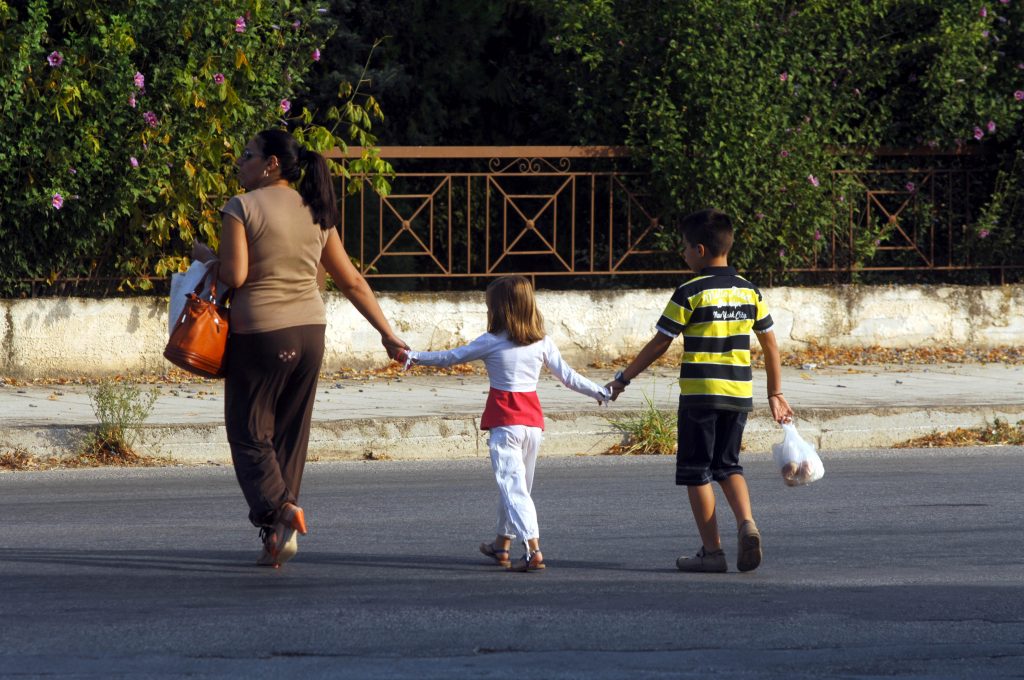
(653, 432)
(120, 409)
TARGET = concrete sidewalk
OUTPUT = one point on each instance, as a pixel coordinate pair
(436, 416)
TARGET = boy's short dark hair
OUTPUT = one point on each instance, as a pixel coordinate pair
(710, 228)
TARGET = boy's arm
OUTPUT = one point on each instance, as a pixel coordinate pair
(650, 353)
(781, 411)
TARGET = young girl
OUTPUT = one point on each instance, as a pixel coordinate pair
(513, 350)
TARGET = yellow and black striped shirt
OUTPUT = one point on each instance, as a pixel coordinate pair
(715, 313)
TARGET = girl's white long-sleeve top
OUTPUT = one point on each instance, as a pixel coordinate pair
(512, 367)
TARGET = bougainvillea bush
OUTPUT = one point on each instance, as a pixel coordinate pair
(121, 121)
(753, 105)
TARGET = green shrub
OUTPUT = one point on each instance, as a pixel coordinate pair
(751, 106)
(121, 121)
(121, 409)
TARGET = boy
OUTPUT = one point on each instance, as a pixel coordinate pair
(715, 313)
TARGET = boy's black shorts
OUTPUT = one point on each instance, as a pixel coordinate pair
(709, 445)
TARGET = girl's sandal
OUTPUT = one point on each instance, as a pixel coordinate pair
(499, 556)
(531, 561)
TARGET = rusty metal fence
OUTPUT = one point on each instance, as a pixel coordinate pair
(551, 211)
(458, 212)
(581, 213)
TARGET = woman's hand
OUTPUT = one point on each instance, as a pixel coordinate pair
(202, 252)
(394, 346)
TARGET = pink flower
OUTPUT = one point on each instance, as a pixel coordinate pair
(983, 12)
(285, 106)
(784, 154)
(983, 233)
(54, 59)
(316, 54)
(817, 235)
(782, 252)
(131, 100)
(759, 215)
(240, 25)
(813, 180)
(984, 34)
(1019, 95)
(296, 23)
(622, 44)
(134, 161)
(151, 119)
(911, 187)
(784, 76)
(140, 81)
(218, 78)
(58, 201)
(978, 134)
(991, 127)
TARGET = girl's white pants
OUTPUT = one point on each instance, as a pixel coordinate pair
(514, 450)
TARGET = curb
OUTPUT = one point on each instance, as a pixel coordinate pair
(569, 433)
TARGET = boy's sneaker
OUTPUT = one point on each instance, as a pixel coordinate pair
(749, 553)
(704, 561)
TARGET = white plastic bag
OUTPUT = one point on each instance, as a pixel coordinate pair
(181, 286)
(797, 460)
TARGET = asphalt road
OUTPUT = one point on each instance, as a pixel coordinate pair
(896, 564)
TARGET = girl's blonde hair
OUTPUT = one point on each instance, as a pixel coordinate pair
(511, 308)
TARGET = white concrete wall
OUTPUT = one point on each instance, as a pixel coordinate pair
(67, 337)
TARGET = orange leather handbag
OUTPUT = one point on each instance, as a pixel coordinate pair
(200, 336)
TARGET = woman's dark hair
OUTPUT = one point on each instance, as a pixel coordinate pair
(295, 161)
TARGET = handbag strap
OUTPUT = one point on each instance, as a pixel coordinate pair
(210, 291)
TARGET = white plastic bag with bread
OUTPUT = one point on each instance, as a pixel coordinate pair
(798, 462)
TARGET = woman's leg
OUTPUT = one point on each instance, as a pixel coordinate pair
(295, 405)
(252, 388)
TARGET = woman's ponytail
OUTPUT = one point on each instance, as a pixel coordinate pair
(317, 189)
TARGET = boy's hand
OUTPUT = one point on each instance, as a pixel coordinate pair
(781, 411)
(616, 388)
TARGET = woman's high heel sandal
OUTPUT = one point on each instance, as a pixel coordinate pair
(281, 542)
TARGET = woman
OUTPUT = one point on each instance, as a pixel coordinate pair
(272, 238)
